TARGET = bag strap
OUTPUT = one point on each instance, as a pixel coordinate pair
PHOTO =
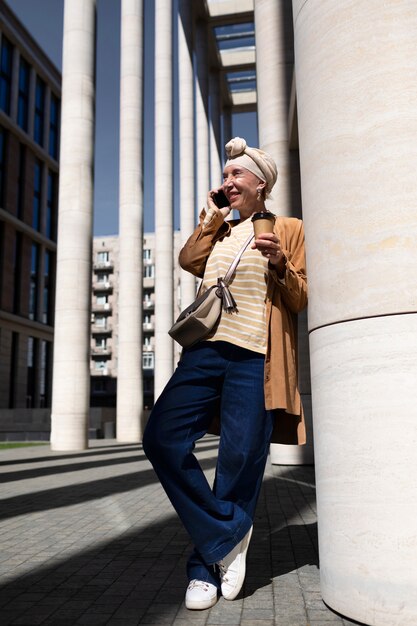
(230, 271)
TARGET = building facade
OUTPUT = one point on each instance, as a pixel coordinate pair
(105, 323)
(30, 96)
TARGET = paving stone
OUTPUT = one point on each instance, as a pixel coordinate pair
(92, 539)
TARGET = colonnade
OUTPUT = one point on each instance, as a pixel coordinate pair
(357, 116)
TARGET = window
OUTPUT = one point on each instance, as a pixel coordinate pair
(148, 360)
(100, 365)
(102, 277)
(148, 271)
(39, 111)
(147, 254)
(44, 386)
(101, 321)
(33, 287)
(23, 95)
(102, 257)
(32, 347)
(102, 299)
(37, 188)
(2, 164)
(147, 342)
(17, 272)
(54, 127)
(146, 319)
(101, 342)
(51, 208)
(21, 182)
(46, 313)
(5, 74)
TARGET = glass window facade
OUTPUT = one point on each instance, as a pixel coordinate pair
(51, 208)
(54, 115)
(5, 74)
(34, 281)
(47, 285)
(39, 111)
(37, 196)
(2, 164)
(23, 96)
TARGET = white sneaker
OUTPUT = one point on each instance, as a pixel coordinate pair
(233, 568)
(200, 595)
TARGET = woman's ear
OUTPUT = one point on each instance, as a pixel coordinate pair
(261, 186)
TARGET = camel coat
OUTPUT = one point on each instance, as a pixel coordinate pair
(283, 302)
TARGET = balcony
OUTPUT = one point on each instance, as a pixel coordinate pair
(106, 306)
(101, 285)
(103, 265)
(103, 372)
(99, 328)
(148, 304)
(98, 350)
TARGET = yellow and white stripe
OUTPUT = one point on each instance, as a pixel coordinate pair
(246, 327)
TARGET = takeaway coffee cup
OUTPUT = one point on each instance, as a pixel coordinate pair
(263, 222)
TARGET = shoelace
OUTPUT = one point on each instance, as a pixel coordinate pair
(223, 571)
(198, 584)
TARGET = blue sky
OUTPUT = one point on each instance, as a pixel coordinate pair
(44, 20)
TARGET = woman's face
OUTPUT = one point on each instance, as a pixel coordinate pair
(240, 187)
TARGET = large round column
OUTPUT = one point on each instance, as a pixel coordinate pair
(71, 370)
(357, 110)
(216, 148)
(186, 140)
(274, 74)
(164, 266)
(129, 368)
(202, 126)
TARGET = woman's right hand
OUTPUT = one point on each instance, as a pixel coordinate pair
(212, 208)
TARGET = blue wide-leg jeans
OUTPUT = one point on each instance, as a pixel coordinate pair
(212, 378)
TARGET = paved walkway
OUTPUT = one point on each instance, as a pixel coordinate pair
(90, 538)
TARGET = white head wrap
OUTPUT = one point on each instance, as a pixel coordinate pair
(256, 161)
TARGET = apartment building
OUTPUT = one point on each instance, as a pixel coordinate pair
(30, 94)
(104, 318)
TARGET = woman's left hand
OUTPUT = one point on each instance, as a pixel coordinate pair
(269, 246)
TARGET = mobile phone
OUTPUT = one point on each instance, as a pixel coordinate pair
(220, 199)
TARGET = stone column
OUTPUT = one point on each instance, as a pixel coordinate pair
(216, 166)
(164, 271)
(71, 381)
(227, 130)
(357, 114)
(274, 72)
(202, 129)
(129, 368)
(187, 138)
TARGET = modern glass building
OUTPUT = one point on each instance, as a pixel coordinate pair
(30, 95)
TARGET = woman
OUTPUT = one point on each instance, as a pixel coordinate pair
(244, 373)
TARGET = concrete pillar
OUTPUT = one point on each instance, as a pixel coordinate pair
(202, 128)
(129, 368)
(71, 382)
(227, 131)
(216, 148)
(274, 71)
(186, 141)
(357, 115)
(164, 271)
